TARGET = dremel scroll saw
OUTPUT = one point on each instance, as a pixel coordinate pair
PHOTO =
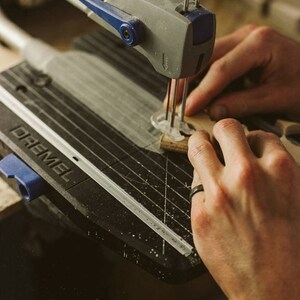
(77, 127)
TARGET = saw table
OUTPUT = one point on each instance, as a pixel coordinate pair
(95, 118)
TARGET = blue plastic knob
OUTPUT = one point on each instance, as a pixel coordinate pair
(31, 185)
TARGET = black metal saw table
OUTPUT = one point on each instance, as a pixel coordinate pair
(86, 123)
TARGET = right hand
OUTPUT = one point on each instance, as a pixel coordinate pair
(246, 224)
(251, 48)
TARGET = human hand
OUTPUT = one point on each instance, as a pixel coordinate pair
(275, 61)
(246, 223)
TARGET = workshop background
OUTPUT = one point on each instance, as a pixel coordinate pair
(41, 261)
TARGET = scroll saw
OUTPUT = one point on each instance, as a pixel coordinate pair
(77, 127)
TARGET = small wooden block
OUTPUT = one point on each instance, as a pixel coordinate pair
(167, 144)
(202, 121)
(199, 121)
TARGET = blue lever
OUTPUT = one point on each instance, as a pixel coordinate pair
(31, 185)
(203, 25)
(129, 28)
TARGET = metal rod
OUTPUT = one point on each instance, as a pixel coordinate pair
(79, 5)
(174, 103)
(37, 53)
(186, 4)
(11, 34)
(184, 96)
(168, 98)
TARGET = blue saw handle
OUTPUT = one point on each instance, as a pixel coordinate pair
(129, 27)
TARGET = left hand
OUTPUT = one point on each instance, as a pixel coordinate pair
(258, 53)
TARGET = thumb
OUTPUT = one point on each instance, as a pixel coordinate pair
(266, 98)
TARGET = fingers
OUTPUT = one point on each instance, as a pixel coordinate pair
(198, 214)
(265, 144)
(272, 155)
(196, 181)
(222, 46)
(247, 55)
(233, 142)
(204, 158)
(229, 42)
(262, 143)
(260, 99)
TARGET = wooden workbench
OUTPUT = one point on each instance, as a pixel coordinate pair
(8, 197)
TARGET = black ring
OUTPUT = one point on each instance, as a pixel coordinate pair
(195, 190)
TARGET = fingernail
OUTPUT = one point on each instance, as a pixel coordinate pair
(218, 112)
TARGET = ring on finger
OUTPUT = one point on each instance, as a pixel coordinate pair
(196, 189)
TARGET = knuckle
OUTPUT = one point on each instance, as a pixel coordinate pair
(225, 123)
(199, 149)
(264, 135)
(263, 34)
(268, 135)
(250, 27)
(245, 173)
(219, 67)
(280, 160)
(200, 220)
(259, 137)
(220, 201)
(198, 135)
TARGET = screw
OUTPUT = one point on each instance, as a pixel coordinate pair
(126, 34)
(21, 88)
(42, 80)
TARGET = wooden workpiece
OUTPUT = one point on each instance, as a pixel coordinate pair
(199, 121)
(203, 122)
